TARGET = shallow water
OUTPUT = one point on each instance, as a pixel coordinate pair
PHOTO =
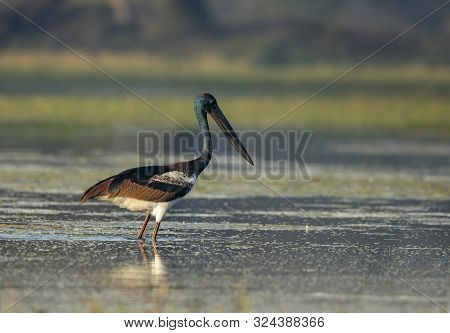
(252, 254)
(337, 244)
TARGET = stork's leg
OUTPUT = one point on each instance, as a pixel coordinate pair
(144, 225)
(159, 213)
(155, 230)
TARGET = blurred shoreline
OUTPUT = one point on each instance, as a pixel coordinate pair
(42, 93)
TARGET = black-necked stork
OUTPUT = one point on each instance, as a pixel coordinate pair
(155, 189)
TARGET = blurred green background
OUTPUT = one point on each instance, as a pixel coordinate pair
(260, 59)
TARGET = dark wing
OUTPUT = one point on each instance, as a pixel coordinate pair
(99, 189)
(154, 191)
(142, 183)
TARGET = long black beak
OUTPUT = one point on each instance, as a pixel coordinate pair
(225, 126)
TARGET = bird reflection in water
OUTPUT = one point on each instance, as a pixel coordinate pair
(151, 278)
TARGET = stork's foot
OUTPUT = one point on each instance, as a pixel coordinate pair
(155, 247)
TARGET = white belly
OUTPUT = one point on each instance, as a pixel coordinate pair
(157, 209)
(134, 205)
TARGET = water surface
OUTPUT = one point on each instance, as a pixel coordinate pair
(368, 233)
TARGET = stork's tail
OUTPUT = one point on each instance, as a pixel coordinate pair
(101, 188)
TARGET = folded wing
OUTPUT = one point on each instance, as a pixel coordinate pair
(153, 184)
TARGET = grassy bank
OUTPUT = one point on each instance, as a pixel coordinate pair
(388, 115)
(59, 93)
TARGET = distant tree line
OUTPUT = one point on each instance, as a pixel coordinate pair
(263, 30)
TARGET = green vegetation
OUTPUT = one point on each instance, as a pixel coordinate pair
(355, 113)
(59, 94)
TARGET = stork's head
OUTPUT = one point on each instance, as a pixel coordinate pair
(206, 104)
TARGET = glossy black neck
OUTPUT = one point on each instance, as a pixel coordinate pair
(205, 157)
